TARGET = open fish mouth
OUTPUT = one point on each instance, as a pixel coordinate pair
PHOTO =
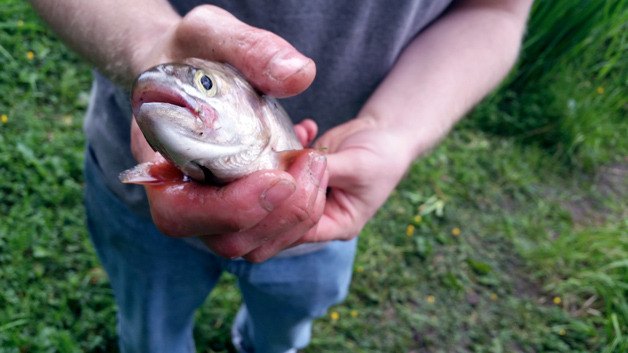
(159, 113)
(189, 137)
(162, 94)
(188, 110)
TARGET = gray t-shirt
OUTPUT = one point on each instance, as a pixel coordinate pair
(354, 44)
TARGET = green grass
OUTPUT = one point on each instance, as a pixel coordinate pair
(574, 62)
(512, 236)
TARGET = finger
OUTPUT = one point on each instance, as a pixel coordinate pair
(306, 131)
(190, 208)
(338, 222)
(270, 249)
(294, 236)
(288, 222)
(273, 65)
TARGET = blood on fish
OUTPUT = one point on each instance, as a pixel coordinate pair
(167, 172)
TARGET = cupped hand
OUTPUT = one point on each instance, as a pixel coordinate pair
(259, 215)
(365, 163)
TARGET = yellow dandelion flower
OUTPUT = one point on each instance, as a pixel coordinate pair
(493, 296)
(410, 230)
(431, 299)
(417, 219)
(4, 118)
(562, 332)
(334, 316)
(557, 300)
(600, 90)
(67, 120)
(30, 55)
(354, 313)
(455, 231)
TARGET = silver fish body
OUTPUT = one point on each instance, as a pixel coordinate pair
(207, 120)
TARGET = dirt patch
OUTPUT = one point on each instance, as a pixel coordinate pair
(609, 182)
(613, 180)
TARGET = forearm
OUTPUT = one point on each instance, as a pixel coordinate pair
(446, 70)
(113, 35)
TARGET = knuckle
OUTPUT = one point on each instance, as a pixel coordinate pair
(227, 249)
(248, 41)
(204, 11)
(203, 23)
(193, 19)
(257, 43)
(304, 215)
(232, 223)
(256, 257)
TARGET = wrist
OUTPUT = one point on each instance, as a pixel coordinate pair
(142, 42)
(409, 134)
(155, 47)
(155, 44)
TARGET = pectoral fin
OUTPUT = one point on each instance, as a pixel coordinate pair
(152, 173)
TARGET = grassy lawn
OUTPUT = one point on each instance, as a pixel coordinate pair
(511, 236)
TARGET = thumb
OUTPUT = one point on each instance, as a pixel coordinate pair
(347, 170)
(269, 62)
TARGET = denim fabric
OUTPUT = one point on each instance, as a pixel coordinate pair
(159, 282)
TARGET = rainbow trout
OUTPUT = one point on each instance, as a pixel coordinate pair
(209, 122)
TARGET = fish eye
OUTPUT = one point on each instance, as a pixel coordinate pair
(204, 83)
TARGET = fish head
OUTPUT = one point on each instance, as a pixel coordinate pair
(201, 114)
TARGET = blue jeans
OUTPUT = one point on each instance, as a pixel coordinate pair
(159, 282)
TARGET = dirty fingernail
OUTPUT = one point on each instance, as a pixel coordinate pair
(276, 194)
(286, 64)
(318, 163)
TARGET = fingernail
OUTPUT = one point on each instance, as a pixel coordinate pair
(285, 64)
(276, 194)
(317, 165)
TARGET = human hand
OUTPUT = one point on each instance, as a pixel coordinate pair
(208, 32)
(365, 163)
(261, 214)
